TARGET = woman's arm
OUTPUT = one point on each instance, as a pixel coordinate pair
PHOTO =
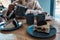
(37, 6)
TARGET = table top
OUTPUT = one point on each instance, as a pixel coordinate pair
(21, 34)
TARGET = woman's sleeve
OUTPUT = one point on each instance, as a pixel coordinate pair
(37, 5)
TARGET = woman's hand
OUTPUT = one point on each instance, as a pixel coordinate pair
(33, 11)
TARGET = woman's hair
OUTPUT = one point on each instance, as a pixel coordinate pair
(26, 0)
(21, 2)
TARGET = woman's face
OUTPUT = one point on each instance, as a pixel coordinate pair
(28, 0)
(16, 0)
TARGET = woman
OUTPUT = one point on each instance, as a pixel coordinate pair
(32, 5)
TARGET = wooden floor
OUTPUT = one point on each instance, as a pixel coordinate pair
(21, 34)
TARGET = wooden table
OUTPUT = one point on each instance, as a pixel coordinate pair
(21, 34)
